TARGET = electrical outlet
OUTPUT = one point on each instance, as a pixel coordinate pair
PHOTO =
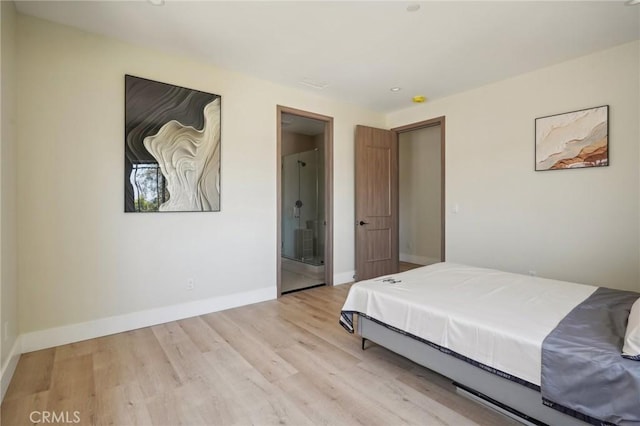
(191, 284)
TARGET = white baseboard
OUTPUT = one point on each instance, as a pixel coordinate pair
(343, 277)
(57, 336)
(9, 367)
(418, 260)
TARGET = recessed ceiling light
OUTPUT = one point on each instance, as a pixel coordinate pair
(413, 7)
(419, 99)
(396, 89)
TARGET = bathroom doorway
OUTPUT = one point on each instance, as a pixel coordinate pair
(305, 200)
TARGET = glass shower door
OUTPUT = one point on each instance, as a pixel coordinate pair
(300, 218)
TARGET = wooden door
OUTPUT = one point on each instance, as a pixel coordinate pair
(376, 193)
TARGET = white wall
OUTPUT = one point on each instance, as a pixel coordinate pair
(8, 246)
(80, 257)
(420, 194)
(578, 225)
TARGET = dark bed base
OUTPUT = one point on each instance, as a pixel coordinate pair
(508, 395)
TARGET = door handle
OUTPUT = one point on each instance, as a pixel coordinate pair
(362, 222)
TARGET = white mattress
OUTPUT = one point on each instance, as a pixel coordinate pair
(496, 318)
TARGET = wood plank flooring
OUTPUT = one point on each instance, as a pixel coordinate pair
(282, 362)
(407, 266)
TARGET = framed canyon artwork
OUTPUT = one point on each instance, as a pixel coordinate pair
(573, 140)
(172, 148)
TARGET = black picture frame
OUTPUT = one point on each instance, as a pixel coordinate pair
(172, 148)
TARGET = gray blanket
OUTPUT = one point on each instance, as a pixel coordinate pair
(583, 372)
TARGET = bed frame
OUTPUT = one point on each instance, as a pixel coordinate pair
(506, 396)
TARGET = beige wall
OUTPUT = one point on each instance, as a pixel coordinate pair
(8, 246)
(578, 225)
(82, 258)
(420, 192)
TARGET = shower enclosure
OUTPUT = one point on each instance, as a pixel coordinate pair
(303, 207)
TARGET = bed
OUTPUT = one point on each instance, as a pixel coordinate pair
(508, 339)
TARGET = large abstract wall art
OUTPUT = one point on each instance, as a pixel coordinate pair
(172, 148)
(573, 140)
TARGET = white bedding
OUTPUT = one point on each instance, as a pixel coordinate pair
(496, 318)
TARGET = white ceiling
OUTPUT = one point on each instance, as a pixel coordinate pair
(361, 49)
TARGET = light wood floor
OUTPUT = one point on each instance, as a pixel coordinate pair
(406, 266)
(291, 281)
(282, 362)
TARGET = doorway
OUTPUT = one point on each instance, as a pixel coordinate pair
(305, 200)
(420, 233)
(377, 204)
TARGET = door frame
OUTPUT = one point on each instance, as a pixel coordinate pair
(438, 121)
(328, 190)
